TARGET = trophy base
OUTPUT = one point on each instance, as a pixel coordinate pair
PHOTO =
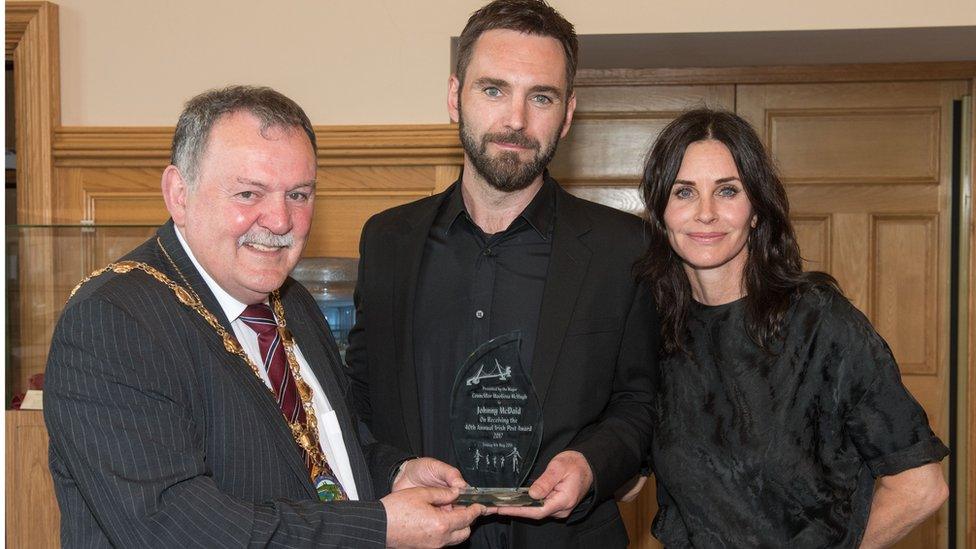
(498, 497)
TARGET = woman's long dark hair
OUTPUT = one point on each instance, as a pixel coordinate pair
(773, 276)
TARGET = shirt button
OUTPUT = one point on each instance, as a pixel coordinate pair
(487, 251)
(479, 313)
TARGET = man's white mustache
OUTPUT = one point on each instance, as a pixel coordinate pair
(267, 239)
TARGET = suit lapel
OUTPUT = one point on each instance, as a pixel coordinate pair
(409, 255)
(181, 270)
(324, 362)
(568, 263)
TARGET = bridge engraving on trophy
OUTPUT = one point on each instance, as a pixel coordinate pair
(498, 372)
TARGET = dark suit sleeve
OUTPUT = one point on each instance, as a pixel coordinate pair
(357, 361)
(118, 411)
(618, 444)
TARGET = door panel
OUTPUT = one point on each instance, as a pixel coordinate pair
(839, 145)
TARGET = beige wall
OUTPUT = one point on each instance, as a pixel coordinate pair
(127, 63)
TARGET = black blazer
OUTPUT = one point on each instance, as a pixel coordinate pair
(592, 366)
(160, 437)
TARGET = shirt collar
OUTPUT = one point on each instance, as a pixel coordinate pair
(231, 306)
(539, 213)
(453, 207)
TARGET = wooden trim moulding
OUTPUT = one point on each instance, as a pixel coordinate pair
(32, 43)
(430, 144)
(871, 72)
(17, 16)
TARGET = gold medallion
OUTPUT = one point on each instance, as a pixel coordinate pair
(185, 297)
(123, 267)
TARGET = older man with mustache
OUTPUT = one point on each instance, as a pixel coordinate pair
(194, 393)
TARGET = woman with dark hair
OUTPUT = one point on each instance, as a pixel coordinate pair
(778, 404)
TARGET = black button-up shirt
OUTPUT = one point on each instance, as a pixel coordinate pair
(473, 287)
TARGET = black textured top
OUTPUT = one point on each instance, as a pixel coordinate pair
(753, 449)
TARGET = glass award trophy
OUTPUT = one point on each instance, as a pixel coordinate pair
(496, 425)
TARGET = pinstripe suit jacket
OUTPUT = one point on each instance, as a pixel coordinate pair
(160, 437)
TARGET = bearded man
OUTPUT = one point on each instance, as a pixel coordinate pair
(506, 250)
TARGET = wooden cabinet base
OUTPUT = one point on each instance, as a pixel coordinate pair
(33, 519)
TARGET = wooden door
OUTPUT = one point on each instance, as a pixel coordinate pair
(867, 169)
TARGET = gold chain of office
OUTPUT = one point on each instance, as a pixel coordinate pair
(305, 434)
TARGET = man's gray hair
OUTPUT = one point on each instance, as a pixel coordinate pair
(192, 135)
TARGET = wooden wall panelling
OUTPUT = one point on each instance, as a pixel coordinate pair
(69, 201)
(120, 195)
(108, 244)
(624, 197)
(614, 127)
(112, 175)
(340, 216)
(445, 175)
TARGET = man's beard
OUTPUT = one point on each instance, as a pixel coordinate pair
(506, 172)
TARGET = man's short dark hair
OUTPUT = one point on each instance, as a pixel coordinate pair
(200, 113)
(526, 16)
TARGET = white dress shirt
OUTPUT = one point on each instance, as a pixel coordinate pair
(330, 435)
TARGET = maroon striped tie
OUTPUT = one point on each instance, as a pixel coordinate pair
(260, 319)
